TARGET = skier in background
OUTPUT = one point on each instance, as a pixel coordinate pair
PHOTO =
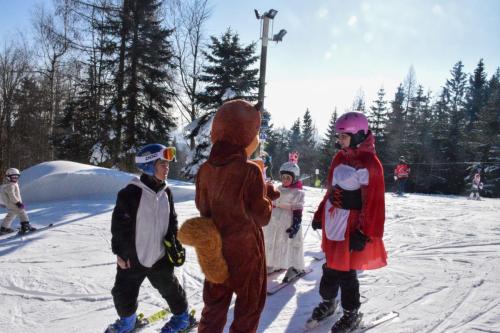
(352, 216)
(401, 174)
(283, 235)
(11, 198)
(476, 186)
(144, 239)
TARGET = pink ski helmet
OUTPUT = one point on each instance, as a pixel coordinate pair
(352, 123)
(355, 124)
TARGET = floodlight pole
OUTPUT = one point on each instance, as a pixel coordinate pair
(263, 59)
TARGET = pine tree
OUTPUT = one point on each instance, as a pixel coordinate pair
(277, 146)
(420, 139)
(295, 136)
(307, 147)
(229, 68)
(30, 133)
(79, 127)
(228, 75)
(148, 118)
(476, 94)
(396, 126)
(328, 150)
(139, 53)
(359, 104)
(475, 100)
(489, 126)
(412, 119)
(454, 140)
(378, 117)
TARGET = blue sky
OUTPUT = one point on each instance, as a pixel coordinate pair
(334, 48)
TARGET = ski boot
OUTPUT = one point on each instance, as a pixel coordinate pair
(26, 227)
(4, 230)
(348, 322)
(123, 325)
(176, 323)
(324, 310)
(291, 273)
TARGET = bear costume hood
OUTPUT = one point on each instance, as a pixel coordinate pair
(236, 122)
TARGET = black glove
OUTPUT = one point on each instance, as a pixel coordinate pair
(296, 222)
(357, 241)
(316, 224)
(176, 253)
(20, 205)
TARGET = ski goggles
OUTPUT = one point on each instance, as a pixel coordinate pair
(167, 154)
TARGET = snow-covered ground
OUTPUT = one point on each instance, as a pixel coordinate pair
(443, 272)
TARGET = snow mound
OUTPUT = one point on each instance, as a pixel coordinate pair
(64, 180)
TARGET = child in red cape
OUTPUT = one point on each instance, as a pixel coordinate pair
(352, 216)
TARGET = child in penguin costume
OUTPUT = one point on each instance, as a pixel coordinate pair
(234, 204)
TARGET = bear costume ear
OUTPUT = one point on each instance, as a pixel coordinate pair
(236, 122)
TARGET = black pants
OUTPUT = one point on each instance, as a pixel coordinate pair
(161, 276)
(348, 283)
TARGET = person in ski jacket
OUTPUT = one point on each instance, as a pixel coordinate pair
(144, 240)
(283, 235)
(401, 174)
(352, 216)
(231, 192)
(476, 186)
(11, 198)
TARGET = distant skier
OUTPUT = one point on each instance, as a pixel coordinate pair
(283, 235)
(476, 186)
(352, 216)
(401, 174)
(144, 239)
(11, 197)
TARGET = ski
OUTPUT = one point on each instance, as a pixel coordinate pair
(18, 233)
(363, 326)
(380, 319)
(143, 321)
(278, 271)
(319, 257)
(274, 289)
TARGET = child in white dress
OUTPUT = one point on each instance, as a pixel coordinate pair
(283, 235)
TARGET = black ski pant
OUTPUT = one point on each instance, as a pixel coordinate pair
(348, 283)
(161, 276)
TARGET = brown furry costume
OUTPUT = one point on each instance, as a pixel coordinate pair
(230, 190)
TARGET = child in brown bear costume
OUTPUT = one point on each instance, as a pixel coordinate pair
(230, 191)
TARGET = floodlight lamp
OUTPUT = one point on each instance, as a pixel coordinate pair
(271, 13)
(257, 15)
(279, 36)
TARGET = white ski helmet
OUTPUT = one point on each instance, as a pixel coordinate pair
(290, 168)
(12, 172)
